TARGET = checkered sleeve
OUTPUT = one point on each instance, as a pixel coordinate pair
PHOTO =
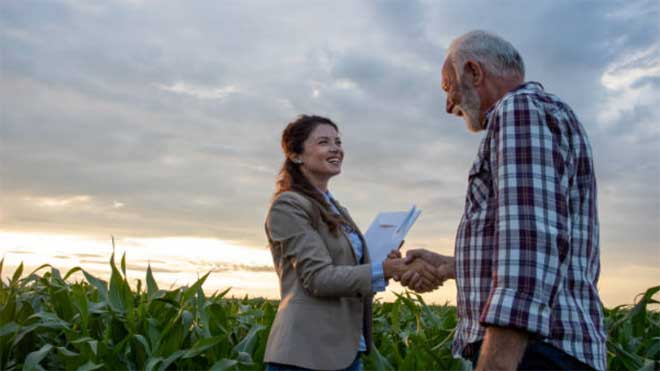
(530, 242)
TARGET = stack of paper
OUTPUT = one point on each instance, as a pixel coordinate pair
(387, 231)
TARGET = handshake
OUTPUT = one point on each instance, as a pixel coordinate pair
(421, 270)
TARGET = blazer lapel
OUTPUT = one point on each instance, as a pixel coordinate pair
(344, 213)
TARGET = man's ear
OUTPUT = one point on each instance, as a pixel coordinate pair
(474, 68)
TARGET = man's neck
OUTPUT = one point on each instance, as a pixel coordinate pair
(494, 89)
(498, 88)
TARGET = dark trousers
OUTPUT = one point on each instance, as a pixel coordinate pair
(355, 366)
(538, 356)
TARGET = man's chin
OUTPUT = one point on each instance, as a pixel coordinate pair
(472, 126)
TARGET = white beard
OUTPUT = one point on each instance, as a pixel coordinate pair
(470, 106)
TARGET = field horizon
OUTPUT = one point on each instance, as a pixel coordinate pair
(48, 322)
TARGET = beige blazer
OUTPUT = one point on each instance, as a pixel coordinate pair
(326, 295)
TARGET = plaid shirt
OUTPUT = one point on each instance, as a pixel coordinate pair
(527, 253)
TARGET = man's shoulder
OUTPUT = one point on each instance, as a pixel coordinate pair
(530, 96)
(528, 91)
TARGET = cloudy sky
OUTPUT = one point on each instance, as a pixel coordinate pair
(154, 119)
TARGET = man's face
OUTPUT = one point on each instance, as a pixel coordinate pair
(462, 97)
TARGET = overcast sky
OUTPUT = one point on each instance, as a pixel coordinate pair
(163, 118)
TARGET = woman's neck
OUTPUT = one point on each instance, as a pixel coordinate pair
(321, 184)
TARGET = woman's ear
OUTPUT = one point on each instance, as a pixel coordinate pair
(296, 159)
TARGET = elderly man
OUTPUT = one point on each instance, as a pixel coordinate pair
(527, 253)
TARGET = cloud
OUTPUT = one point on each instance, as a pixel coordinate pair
(626, 78)
(55, 202)
(169, 121)
(200, 92)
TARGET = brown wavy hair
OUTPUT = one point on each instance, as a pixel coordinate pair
(291, 177)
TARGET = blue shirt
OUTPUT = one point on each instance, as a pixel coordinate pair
(377, 275)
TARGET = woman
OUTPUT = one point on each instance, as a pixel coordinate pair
(326, 278)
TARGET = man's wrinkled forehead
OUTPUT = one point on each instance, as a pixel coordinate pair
(448, 75)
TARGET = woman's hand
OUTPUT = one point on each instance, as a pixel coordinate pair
(394, 254)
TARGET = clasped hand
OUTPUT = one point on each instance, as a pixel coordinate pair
(421, 270)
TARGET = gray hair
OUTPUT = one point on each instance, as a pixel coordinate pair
(494, 53)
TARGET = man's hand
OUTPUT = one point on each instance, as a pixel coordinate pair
(425, 273)
(502, 349)
(444, 270)
(430, 257)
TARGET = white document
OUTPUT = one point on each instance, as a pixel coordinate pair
(387, 231)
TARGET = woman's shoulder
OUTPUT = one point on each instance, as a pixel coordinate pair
(292, 200)
(289, 212)
(291, 197)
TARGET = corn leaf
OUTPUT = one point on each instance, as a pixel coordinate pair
(89, 366)
(224, 364)
(169, 360)
(152, 287)
(99, 284)
(16, 276)
(34, 358)
(202, 345)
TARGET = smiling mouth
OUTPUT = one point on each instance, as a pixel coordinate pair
(334, 161)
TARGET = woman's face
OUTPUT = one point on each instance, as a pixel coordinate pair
(322, 153)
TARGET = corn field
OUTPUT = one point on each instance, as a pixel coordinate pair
(47, 322)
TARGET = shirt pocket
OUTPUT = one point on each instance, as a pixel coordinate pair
(479, 188)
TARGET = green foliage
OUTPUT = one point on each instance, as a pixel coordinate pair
(633, 340)
(47, 322)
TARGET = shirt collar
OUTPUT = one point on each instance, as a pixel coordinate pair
(528, 87)
(328, 197)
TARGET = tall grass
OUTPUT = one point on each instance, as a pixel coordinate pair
(47, 322)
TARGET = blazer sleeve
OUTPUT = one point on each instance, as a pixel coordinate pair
(289, 223)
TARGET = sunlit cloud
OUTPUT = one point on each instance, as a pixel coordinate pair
(200, 92)
(625, 79)
(59, 201)
(630, 69)
(174, 260)
(170, 160)
(347, 84)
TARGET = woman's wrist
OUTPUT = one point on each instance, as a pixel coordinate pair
(392, 268)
